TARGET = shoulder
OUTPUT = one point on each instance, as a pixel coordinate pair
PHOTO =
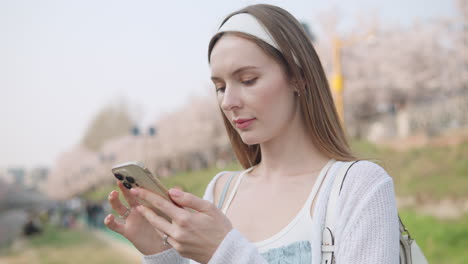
(366, 172)
(219, 184)
(367, 200)
(215, 187)
(364, 177)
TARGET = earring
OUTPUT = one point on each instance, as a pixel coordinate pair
(296, 92)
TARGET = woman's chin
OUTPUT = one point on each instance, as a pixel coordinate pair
(249, 140)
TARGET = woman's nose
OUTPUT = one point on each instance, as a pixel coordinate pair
(231, 99)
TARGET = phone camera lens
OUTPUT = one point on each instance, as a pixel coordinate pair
(130, 179)
(127, 185)
(119, 176)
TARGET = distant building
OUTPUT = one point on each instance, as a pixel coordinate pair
(16, 176)
(2, 174)
(37, 177)
(34, 179)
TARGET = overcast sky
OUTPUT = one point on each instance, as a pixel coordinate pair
(62, 61)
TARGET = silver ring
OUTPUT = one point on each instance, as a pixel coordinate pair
(127, 213)
(165, 237)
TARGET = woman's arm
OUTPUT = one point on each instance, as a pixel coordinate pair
(368, 230)
(234, 249)
(170, 256)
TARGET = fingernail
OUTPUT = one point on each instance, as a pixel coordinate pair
(134, 191)
(175, 192)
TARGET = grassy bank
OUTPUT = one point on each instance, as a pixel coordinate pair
(426, 172)
(62, 246)
(441, 241)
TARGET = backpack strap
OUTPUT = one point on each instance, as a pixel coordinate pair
(225, 190)
(328, 238)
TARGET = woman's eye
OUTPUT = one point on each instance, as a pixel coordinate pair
(249, 82)
(220, 89)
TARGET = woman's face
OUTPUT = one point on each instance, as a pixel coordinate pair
(252, 89)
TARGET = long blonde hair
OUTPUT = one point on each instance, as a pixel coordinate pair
(316, 102)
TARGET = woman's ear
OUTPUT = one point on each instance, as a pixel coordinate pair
(301, 84)
(298, 85)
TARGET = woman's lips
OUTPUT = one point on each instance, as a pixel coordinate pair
(244, 123)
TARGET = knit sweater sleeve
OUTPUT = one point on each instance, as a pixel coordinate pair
(235, 248)
(367, 226)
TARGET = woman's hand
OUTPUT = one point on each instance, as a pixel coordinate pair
(136, 228)
(195, 234)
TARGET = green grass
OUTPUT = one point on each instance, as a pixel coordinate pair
(100, 193)
(196, 181)
(68, 246)
(57, 237)
(429, 172)
(442, 241)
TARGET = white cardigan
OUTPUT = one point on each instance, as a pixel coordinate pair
(367, 230)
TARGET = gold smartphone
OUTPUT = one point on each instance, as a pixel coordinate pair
(135, 174)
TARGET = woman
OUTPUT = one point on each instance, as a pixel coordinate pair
(283, 127)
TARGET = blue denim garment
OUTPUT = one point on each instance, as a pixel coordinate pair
(296, 253)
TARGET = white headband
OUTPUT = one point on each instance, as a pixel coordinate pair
(248, 24)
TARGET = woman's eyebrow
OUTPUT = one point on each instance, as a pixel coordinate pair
(241, 69)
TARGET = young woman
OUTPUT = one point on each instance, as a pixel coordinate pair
(281, 120)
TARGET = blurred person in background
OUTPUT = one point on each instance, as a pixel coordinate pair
(33, 226)
(281, 119)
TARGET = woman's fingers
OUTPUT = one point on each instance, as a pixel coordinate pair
(189, 200)
(158, 222)
(132, 202)
(116, 203)
(110, 222)
(165, 206)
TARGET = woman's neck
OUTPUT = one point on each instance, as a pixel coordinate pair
(290, 154)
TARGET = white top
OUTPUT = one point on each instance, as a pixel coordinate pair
(295, 231)
(367, 228)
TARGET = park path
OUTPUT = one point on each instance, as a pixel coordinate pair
(28, 255)
(124, 248)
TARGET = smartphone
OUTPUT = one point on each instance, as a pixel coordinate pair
(135, 174)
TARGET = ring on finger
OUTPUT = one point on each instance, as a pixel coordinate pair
(165, 237)
(127, 212)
